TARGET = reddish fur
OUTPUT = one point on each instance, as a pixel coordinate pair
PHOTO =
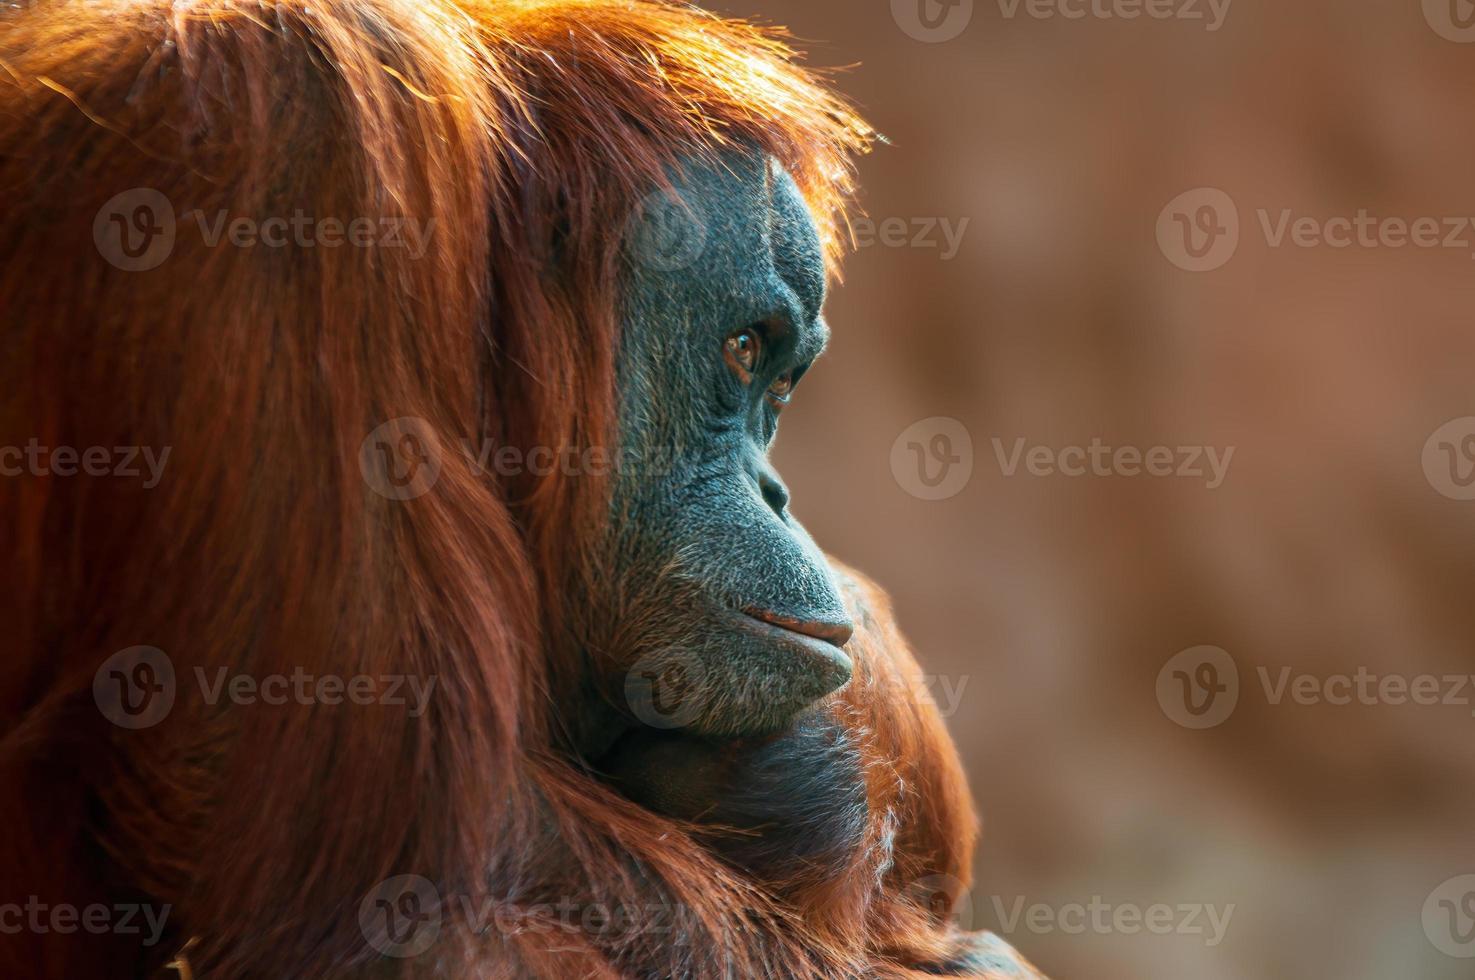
(262, 549)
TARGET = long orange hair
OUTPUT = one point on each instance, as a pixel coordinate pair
(522, 133)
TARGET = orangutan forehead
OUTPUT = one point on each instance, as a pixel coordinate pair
(737, 244)
(796, 252)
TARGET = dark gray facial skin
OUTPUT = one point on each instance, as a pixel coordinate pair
(727, 618)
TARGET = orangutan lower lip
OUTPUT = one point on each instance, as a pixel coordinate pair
(837, 634)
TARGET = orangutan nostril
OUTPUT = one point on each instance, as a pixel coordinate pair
(775, 494)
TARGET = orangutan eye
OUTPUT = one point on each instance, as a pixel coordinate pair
(742, 350)
(781, 388)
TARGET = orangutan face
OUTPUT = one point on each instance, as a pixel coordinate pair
(720, 591)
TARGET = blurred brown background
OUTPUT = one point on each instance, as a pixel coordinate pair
(1049, 604)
